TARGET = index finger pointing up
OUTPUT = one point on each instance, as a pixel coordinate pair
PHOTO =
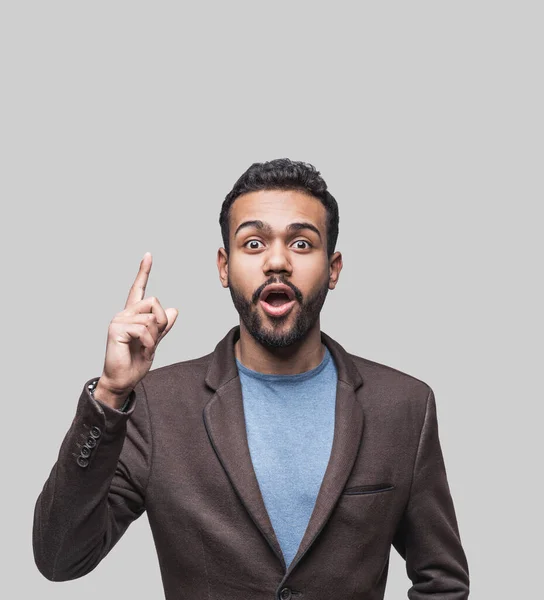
(137, 291)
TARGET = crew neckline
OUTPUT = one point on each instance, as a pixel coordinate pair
(286, 377)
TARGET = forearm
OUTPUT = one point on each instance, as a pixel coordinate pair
(76, 523)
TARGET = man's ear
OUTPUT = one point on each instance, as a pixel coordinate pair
(335, 266)
(223, 267)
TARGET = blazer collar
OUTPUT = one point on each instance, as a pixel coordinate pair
(223, 364)
(225, 424)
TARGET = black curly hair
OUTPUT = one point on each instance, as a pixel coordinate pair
(283, 174)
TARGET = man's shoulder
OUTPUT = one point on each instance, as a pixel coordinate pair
(193, 368)
(388, 379)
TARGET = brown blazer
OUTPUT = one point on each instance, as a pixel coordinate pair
(181, 453)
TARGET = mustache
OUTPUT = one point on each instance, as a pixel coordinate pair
(259, 291)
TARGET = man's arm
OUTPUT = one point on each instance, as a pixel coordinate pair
(95, 489)
(428, 535)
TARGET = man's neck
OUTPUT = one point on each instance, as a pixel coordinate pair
(297, 358)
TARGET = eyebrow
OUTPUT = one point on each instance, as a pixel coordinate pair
(266, 228)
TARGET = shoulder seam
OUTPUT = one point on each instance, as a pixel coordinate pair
(191, 361)
(377, 364)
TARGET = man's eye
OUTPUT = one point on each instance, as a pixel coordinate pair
(303, 242)
(252, 242)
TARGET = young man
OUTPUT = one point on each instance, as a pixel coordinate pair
(279, 465)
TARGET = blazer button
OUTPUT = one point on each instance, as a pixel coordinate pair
(85, 451)
(91, 442)
(95, 432)
(82, 461)
(285, 594)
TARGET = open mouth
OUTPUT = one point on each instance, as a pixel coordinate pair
(277, 298)
(277, 304)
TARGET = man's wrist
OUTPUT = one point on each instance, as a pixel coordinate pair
(108, 397)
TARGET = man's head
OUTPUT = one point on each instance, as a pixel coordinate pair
(282, 174)
(279, 226)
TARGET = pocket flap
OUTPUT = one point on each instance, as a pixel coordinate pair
(369, 488)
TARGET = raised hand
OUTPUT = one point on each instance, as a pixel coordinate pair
(133, 336)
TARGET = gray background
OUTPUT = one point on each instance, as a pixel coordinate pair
(124, 125)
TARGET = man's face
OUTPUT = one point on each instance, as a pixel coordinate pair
(266, 247)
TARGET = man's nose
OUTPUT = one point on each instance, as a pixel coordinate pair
(277, 259)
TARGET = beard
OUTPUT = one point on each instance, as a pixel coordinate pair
(274, 335)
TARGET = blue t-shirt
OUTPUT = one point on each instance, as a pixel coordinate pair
(290, 426)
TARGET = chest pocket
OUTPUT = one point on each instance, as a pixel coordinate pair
(371, 488)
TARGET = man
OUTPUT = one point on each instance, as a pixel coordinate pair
(279, 465)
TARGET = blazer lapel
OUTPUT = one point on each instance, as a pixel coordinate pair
(225, 424)
(348, 428)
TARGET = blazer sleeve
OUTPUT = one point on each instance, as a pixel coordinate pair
(95, 489)
(428, 537)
